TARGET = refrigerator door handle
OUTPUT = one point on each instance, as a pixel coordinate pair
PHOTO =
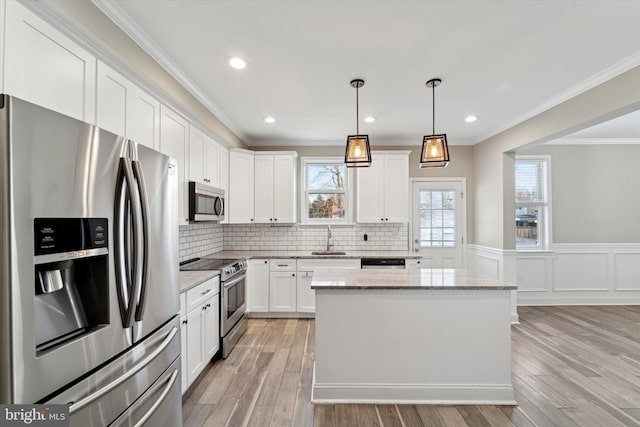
(144, 205)
(124, 282)
(157, 403)
(73, 407)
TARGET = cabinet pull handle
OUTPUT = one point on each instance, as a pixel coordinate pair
(185, 321)
(206, 292)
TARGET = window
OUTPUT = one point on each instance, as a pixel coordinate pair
(326, 191)
(531, 182)
(437, 218)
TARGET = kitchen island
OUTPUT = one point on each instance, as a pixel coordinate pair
(435, 336)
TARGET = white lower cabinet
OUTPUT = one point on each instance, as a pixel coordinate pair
(200, 329)
(282, 291)
(282, 285)
(258, 286)
(306, 297)
(306, 301)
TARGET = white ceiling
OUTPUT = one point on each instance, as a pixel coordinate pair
(503, 61)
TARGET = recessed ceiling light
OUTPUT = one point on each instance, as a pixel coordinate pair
(369, 119)
(471, 119)
(269, 119)
(237, 63)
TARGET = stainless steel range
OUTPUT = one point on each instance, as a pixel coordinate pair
(233, 273)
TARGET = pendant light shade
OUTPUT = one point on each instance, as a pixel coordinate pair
(358, 152)
(435, 150)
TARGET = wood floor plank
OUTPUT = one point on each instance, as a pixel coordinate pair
(389, 415)
(430, 416)
(285, 401)
(367, 416)
(409, 416)
(494, 416)
(517, 416)
(260, 416)
(324, 416)
(473, 417)
(197, 415)
(346, 416)
(451, 416)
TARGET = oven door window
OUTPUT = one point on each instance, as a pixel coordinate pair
(235, 298)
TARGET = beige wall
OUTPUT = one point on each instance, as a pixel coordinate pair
(494, 213)
(594, 200)
(461, 165)
(107, 41)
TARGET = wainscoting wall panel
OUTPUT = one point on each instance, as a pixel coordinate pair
(580, 271)
(627, 271)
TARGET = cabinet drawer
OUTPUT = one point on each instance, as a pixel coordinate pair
(183, 304)
(313, 264)
(202, 292)
(283, 265)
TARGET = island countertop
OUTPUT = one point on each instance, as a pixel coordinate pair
(426, 278)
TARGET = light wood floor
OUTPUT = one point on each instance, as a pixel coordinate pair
(572, 366)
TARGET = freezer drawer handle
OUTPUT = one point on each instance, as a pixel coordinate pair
(115, 383)
(158, 402)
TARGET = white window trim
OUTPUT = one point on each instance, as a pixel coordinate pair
(348, 217)
(546, 239)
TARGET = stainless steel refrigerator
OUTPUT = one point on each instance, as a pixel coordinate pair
(88, 271)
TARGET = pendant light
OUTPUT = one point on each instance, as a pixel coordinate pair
(358, 152)
(435, 151)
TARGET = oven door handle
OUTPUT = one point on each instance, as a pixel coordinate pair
(230, 283)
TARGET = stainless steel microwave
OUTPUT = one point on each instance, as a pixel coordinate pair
(205, 203)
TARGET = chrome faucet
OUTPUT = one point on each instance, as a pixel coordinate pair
(329, 244)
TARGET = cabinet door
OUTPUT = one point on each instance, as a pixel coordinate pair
(43, 66)
(240, 187)
(211, 167)
(174, 135)
(183, 352)
(111, 101)
(370, 195)
(143, 118)
(263, 189)
(282, 291)
(195, 362)
(306, 297)
(224, 180)
(258, 285)
(396, 188)
(211, 337)
(196, 155)
(284, 189)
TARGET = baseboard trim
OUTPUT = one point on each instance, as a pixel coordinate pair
(431, 394)
(280, 315)
(574, 300)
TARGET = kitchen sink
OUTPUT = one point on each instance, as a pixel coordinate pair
(328, 253)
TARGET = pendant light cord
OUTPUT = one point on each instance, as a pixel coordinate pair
(433, 102)
(357, 112)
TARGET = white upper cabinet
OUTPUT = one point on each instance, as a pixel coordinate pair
(204, 155)
(223, 162)
(241, 187)
(43, 66)
(383, 188)
(125, 109)
(174, 137)
(143, 118)
(275, 187)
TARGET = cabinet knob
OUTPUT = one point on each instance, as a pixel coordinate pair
(204, 307)
(251, 219)
(208, 305)
(293, 275)
(381, 219)
(386, 219)
(266, 262)
(276, 219)
(270, 219)
(185, 321)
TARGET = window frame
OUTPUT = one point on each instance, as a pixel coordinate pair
(348, 192)
(544, 208)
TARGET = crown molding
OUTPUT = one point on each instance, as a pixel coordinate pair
(122, 20)
(594, 141)
(575, 90)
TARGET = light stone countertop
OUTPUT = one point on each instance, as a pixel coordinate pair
(189, 279)
(307, 254)
(426, 278)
